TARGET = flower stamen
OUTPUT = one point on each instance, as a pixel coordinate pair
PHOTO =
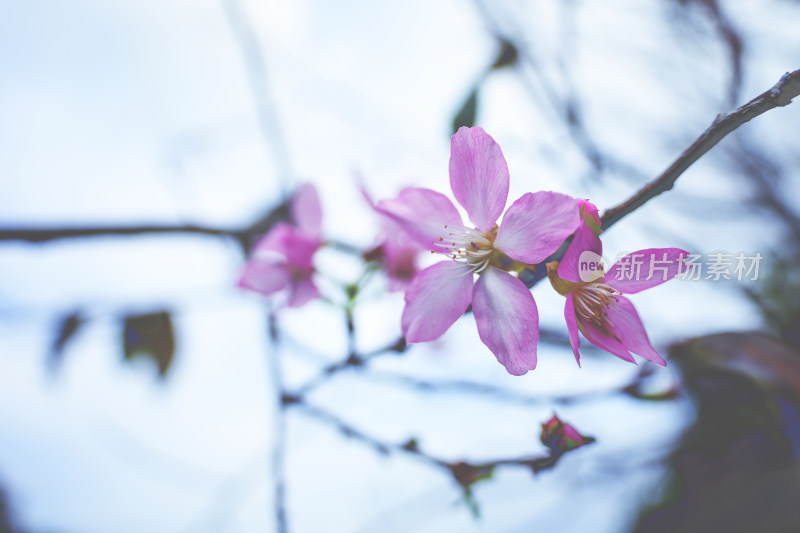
(467, 246)
(593, 301)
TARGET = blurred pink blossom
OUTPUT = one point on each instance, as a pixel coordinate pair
(282, 259)
(396, 250)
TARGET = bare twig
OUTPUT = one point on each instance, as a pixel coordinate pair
(464, 472)
(50, 234)
(560, 99)
(352, 361)
(787, 88)
(279, 428)
(376, 444)
(780, 95)
(473, 388)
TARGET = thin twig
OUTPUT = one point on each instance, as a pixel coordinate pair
(464, 473)
(279, 429)
(352, 360)
(459, 469)
(50, 234)
(473, 388)
(376, 444)
(787, 88)
(358, 362)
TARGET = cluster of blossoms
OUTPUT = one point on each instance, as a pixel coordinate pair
(482, 260)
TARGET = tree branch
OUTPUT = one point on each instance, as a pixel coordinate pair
(787, 88)
(50, 234)
(510, 396)
(245, 236)
(278, 454)
(465, 473)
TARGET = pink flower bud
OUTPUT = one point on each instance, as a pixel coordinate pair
(561, 437)
(590, 215)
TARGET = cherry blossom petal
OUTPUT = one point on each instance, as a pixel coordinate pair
(300, 249)
(584, 248)
(302, 292)
(536, 225)
(400, 265)
(572, 328)
(507, 319)
(306, 210)
(604, 340)
(646, 268)
(266, 278)
(478, 176)
(435, 299)
(277, 239)
(630, 330)
(422, 213)
(394, 237)
(287, 242)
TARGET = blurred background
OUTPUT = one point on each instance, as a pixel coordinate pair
(140, 390)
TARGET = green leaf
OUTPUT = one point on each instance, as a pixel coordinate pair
(466, 475)
(466, 115)
(508, 55)
(68, 326)
(151, 336)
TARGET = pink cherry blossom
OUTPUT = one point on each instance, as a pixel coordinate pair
(532, 228)
(282, 259)
(396, 251)
(596, 305)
